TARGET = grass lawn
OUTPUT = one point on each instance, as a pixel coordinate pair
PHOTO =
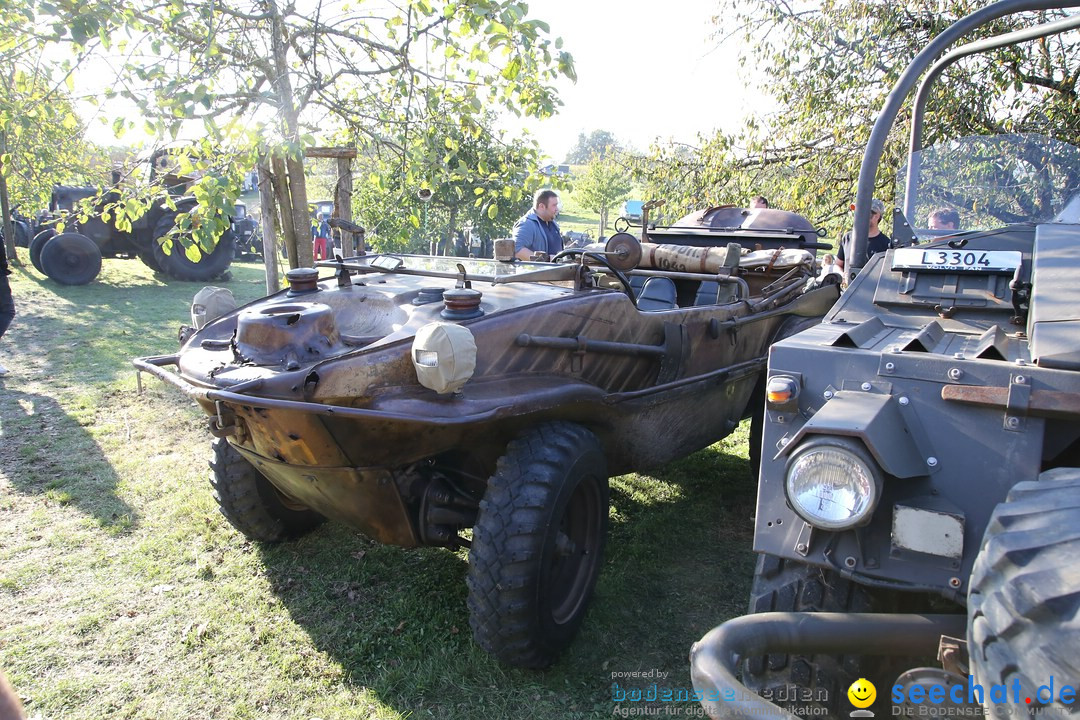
(125, 594)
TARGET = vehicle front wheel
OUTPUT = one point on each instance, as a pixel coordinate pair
(788, 586)
(251, 503)
(1024, 601)
(538, 544)
(71, 259)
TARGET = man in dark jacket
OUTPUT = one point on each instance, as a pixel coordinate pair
(537, 230)
(876, 241)
(7, 304)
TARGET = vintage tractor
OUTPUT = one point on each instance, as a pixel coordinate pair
(73, 257)
(484, 403)
(919, 494)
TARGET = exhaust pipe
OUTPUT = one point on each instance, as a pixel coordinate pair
(715, 658)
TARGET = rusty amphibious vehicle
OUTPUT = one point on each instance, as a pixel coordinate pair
(419, 398)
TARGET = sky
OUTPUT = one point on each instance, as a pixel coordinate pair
(645, 71)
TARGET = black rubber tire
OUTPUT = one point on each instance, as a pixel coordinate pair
(251, 503)
(756, 409)
(787, 586)
(1024, 601)
(148, 259)
(71, 259)
(36, 246)
(527, 598)
(176, 264)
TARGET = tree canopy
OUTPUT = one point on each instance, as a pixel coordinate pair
(602, 186)
(598, 143)
(395, 80)
(827, 68)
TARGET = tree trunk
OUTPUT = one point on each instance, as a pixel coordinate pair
(269, 227)
(301, 215)
(288, 228)
(450, 248)
(294, 204)
(5, 207)
(343, 191)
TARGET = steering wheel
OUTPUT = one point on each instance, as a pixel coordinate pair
(569, 252)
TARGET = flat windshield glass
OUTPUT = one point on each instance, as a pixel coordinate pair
(992, 181)
(444, 266)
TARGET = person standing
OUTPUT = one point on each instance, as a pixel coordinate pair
(944, 219)
(876, 240)
(537, 230)
(320, 237)
(7, 303)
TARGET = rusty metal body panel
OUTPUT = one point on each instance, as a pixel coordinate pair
(318, 390)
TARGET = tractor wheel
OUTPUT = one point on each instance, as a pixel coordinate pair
(787, 586)
(37, 244)
(71, 259)
(1024, 601)
(251, 503)
(178, 265)
(538, 544)
(148, 259)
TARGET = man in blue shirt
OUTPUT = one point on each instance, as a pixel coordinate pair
(537, 230)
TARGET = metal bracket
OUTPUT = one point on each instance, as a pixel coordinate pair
(1017, 403)
(953, 655)
(806, 536)
(577, 357)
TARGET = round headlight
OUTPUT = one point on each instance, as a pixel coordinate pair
(832, 484)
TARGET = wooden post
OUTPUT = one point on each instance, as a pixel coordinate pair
(343, 191)
(269, 227)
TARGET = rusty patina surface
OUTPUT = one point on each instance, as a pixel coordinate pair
(316, 386)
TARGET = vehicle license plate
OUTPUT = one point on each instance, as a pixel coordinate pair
(961, 260)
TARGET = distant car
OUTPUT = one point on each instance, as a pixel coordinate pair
(555, 170)
(631, 210)
(326, 207)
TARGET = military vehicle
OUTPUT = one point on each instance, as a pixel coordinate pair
(921, 446)
(483, 403)
(73, 257)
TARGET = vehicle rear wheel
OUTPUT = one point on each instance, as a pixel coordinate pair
(787, 586)
(251, 503)
(148, 259)
(37, 244)
(1024, 601)
(538, 544)
(178, 265)
(71, 259)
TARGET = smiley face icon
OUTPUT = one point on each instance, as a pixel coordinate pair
(862, 693)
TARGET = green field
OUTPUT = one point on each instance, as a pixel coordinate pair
(125, 594)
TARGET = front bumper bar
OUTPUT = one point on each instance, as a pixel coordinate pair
(715, 658)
